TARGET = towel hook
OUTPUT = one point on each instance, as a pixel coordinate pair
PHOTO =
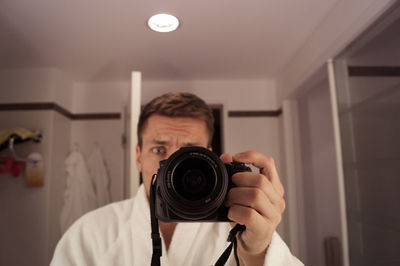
(11, 147)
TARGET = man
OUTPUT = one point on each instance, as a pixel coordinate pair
(120, 234)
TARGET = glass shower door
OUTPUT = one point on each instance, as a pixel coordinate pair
(368, 102)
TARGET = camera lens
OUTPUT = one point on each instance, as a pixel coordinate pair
(193, 183)
(194, 179)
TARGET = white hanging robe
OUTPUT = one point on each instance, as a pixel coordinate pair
(100, 177)
(79, 196)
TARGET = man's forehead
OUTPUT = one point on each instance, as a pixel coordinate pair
(179, 124)
(168, 136)
(162, 129)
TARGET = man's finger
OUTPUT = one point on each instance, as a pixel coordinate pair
(255, 180)
(266, 164)
(253, 198)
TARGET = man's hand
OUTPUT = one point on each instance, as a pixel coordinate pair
(256, 202)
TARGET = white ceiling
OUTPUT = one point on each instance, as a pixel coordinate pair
(106, 40)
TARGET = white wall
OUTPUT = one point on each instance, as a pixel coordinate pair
(235, 94)
(59, 142)
(25, 85)
(99, 97)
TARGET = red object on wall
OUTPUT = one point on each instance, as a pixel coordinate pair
(11, 166)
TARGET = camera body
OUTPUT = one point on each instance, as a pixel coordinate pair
(192, 184)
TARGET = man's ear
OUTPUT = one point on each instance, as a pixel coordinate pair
(138, 158)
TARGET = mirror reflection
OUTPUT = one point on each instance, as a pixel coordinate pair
(75, 78)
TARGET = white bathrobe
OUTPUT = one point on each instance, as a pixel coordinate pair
(119, 234)
(79, 195)
(100, 177)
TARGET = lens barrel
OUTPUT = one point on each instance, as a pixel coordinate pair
(193, 182)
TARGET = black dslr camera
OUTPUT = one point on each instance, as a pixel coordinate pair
(192, 184)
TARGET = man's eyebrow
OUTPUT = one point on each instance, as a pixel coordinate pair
(159, 142)
(189, 144)
(166, 142)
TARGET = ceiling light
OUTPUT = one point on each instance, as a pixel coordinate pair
(163, 23)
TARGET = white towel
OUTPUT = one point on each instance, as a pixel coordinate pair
(100, 177)
(79, 196)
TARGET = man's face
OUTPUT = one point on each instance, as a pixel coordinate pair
(164, 135)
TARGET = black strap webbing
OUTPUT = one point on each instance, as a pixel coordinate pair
(231, 238)
(155, 234)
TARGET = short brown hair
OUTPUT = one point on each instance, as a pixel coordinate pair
(177, 104)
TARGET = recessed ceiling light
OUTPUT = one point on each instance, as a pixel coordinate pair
(163, 23)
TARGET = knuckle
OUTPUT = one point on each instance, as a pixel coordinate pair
(275, 217)
(231, 215)
(231, 194)
(260, 180)
(249, 214)
(270, 160)
(283, 206)
(228, 199)
(278, 219)
(255, 195)
(251, 152)
(234, 213)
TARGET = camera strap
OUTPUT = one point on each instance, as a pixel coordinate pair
(155, 233)
(231, 238)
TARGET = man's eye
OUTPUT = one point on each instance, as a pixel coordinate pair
(158, 150)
